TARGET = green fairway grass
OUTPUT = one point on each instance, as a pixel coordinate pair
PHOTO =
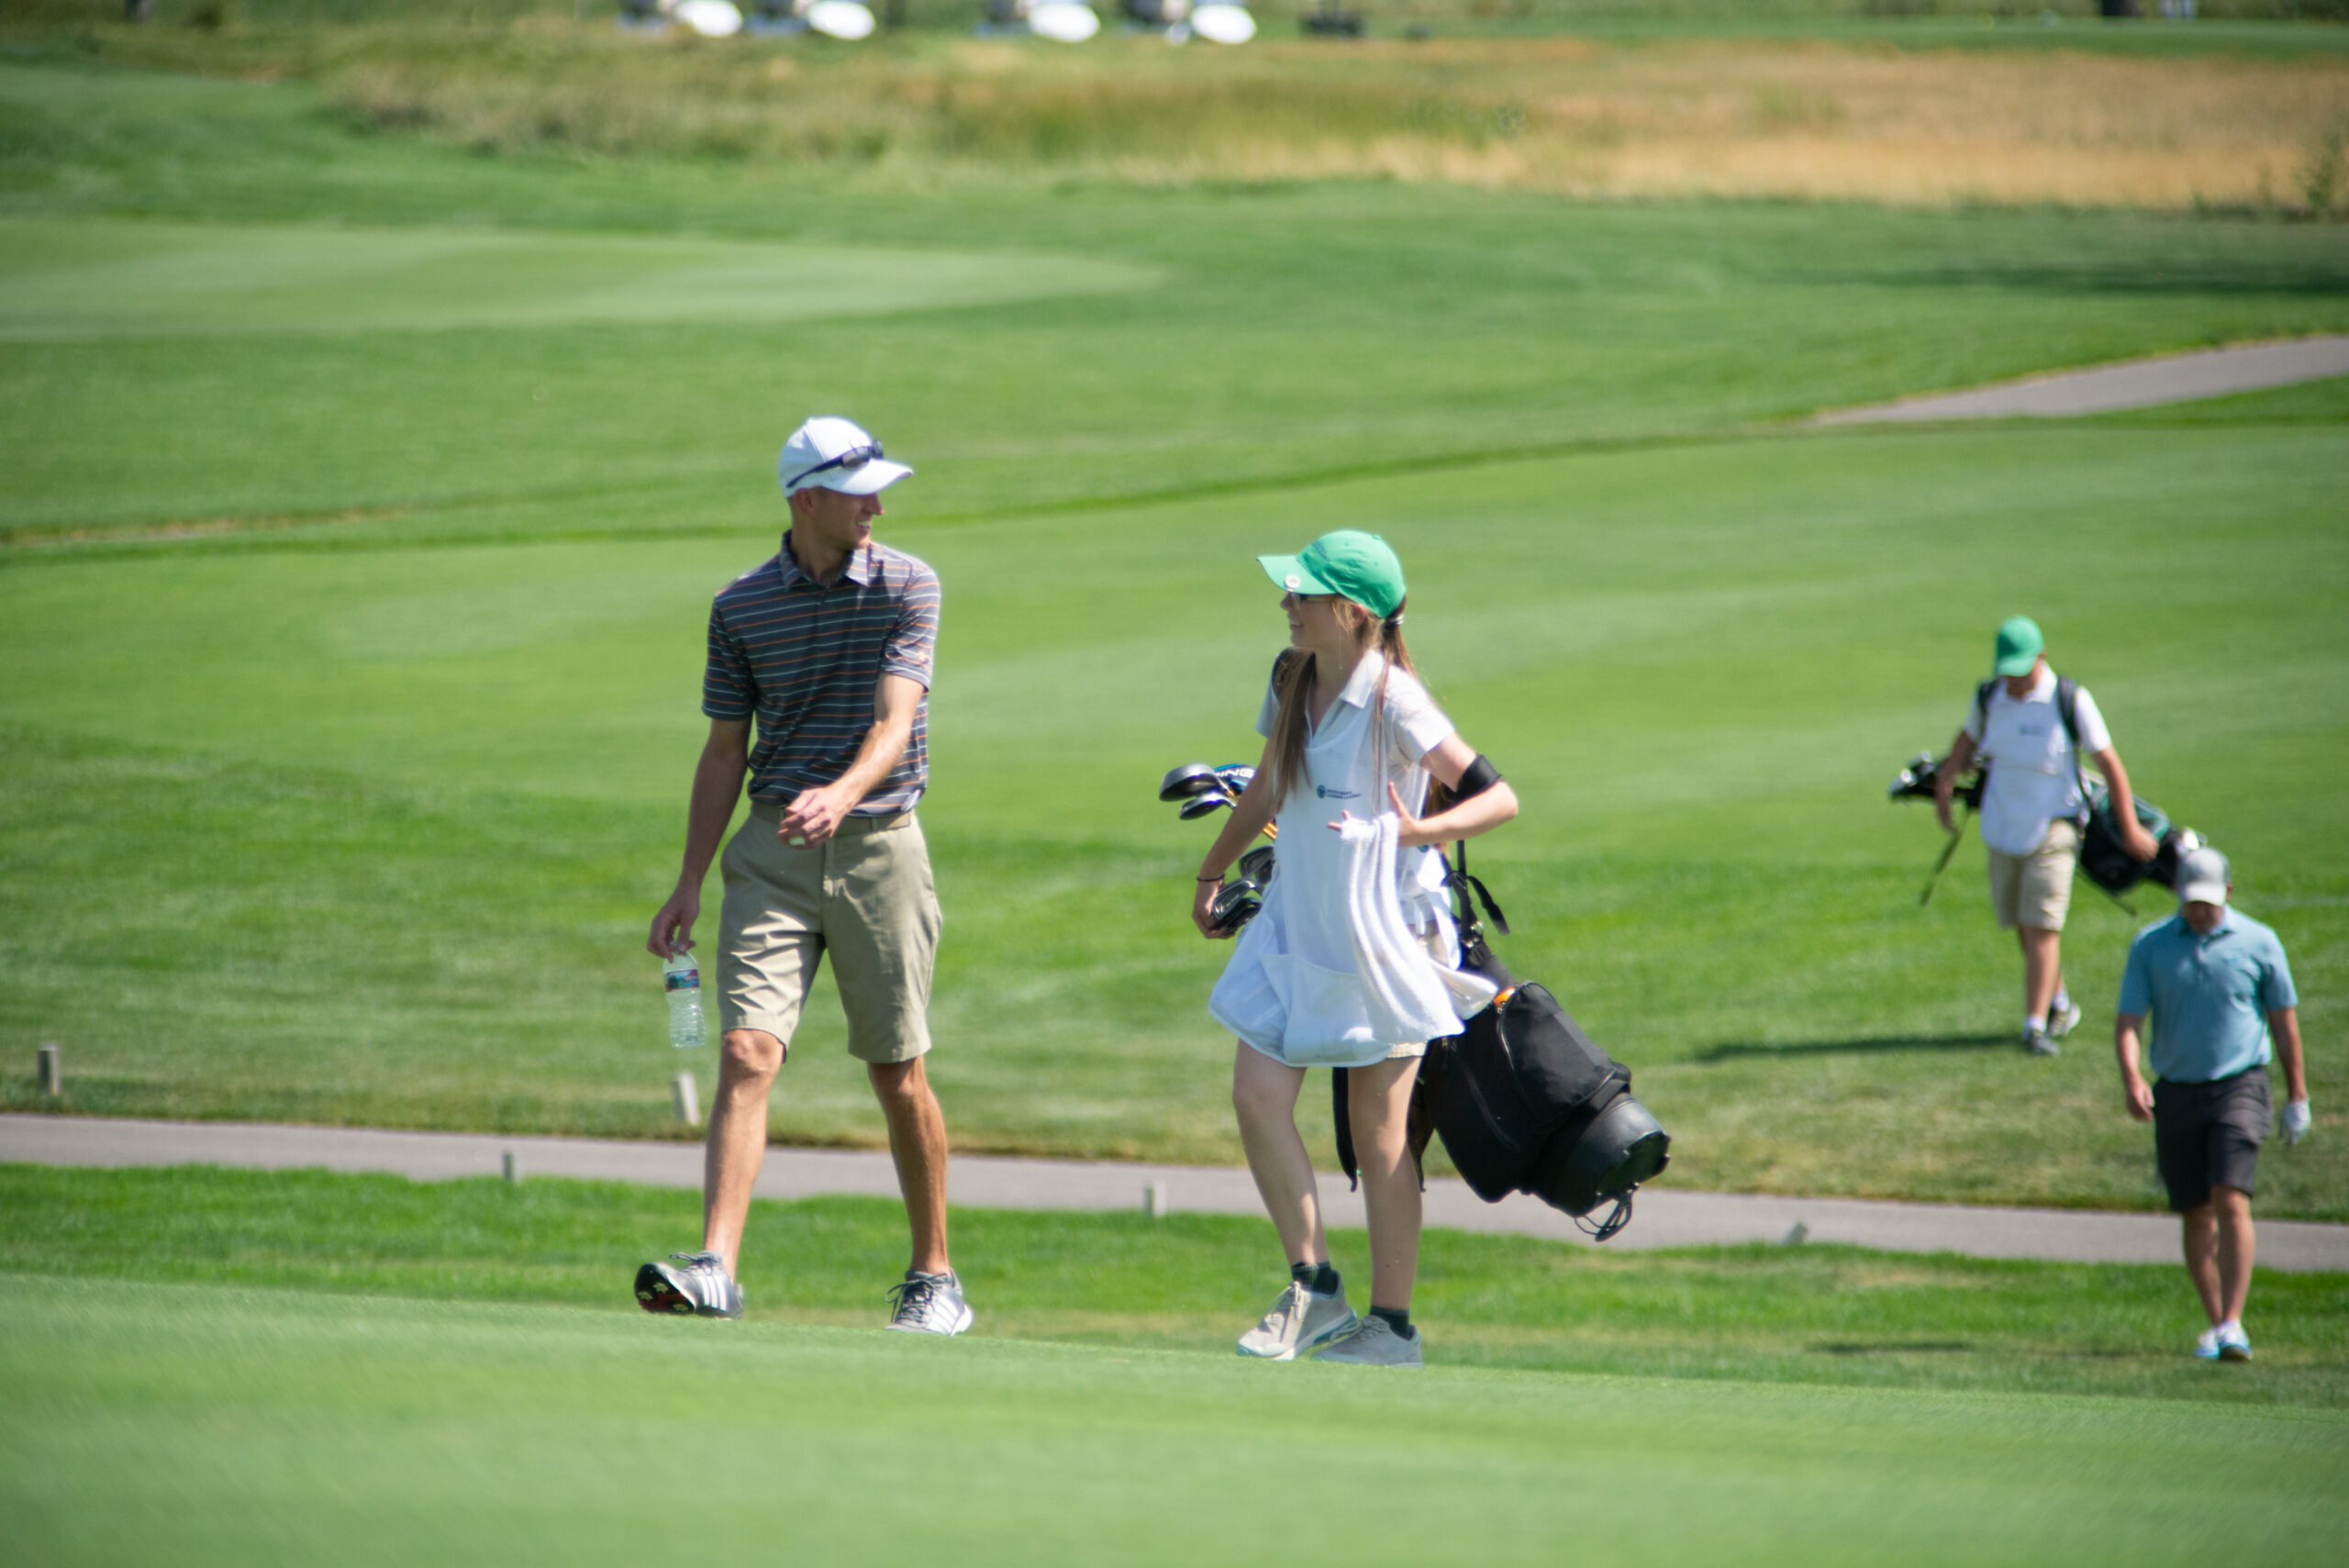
(95, 279)
(352, 632)
(214, 1365)
(204, 1423)
(1817, 1314)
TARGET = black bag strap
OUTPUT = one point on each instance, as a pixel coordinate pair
(1463, 884)
(2067, 708)
(1345, 1124)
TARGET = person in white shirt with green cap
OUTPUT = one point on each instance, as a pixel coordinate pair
(2033, 807)
(1353, 960)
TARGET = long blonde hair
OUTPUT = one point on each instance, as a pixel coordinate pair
(1293, 676)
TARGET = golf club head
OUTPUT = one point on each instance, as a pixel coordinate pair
(1255, 866)
(1235, 777)
(1205, 805)
(1190, 779)
(1916, 779)
(1236, 906)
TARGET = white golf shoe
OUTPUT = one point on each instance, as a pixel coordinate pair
(2063, 1017)
(1375, 1345)
(1298, 1321)
(701, 1289)
(929, 1304)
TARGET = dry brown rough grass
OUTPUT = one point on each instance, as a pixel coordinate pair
(1699, 119)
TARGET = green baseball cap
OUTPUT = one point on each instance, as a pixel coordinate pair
(2020, 646)
(1350, 563)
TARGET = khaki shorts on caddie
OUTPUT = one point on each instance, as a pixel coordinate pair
(865, 897)
(2036, 889)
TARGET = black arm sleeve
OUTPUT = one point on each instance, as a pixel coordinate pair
(1476, 778)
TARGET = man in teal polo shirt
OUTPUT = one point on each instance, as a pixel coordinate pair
(2215, 983)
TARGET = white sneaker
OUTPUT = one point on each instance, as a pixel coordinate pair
(2063, 1017)
(2206, 1345)
(1375, 1345)
(701, 1289)
(2235, 1345)
(1298, 1321)
(929, 1304)
(2036, 1041)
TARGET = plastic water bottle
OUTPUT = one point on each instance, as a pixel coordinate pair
(683, 980)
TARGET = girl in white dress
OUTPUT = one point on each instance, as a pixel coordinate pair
(1353, 960)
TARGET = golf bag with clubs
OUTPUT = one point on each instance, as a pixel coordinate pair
(2103, 859)
(1523, 1099)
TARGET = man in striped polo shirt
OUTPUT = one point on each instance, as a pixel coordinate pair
(829, 647)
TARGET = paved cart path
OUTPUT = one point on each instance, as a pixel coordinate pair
(2137, 383)
(1666, 1217)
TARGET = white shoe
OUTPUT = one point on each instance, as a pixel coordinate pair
(1375, 1345)
(701, 1289)
(2036, 1041)
(2063, 1017)
(1298, 1321)
(2235, 1345)
(929, 1304)
(2206, 1345)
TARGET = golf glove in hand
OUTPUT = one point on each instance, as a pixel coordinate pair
(2296, 1121)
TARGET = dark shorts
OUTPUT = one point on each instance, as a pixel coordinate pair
(2208, 1135)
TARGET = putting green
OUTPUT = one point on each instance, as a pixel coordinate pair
(201, 1424)
(99, 278)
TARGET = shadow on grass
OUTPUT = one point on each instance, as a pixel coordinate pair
(1731, 1051)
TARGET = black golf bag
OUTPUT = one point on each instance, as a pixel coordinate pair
(1523, 1099)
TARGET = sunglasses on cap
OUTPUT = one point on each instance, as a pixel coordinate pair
(850, 460)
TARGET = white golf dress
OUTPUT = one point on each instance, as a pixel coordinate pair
(1353, 958)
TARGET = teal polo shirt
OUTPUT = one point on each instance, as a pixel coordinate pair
(2209, 996)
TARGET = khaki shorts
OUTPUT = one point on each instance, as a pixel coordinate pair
(865, 897)
(2036, 889)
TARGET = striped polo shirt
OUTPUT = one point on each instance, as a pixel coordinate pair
(805, 659)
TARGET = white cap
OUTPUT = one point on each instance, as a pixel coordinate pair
(2202, 877)
(811, 460)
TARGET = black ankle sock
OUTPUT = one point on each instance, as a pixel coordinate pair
(1397, 1319)
(1318, 1278)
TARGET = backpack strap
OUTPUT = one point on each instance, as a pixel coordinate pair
(2067, 708)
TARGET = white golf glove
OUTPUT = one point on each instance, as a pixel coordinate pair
(2296, 1121)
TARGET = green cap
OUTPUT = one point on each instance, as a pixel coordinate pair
(1350, 563)
(2020, 646)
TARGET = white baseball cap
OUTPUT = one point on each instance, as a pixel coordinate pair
(2202, 877)
(831, 453)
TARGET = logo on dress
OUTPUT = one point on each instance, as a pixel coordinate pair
(1326, 792)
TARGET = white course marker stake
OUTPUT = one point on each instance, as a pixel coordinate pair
(513, 1169)
(681, 1089)
(1153, 1200)
(53, 1073)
